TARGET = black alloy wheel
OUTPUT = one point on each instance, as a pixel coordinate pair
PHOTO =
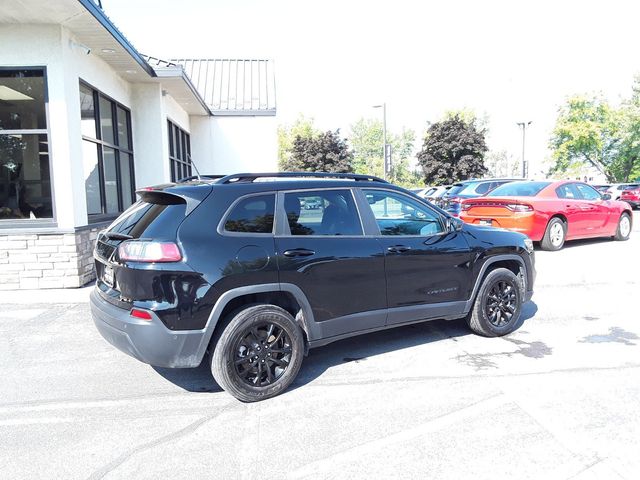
(263, 354)
(498, 304)
(501, 303)
(257, 352)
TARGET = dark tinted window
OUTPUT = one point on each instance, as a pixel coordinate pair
(518, 189)
(569, 191)
(322, 212)
(252, 215)
(151, 220)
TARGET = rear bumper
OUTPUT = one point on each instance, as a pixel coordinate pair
(148, 341)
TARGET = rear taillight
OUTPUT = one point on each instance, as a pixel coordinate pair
(146, 251)
(519, 207)
(140, 314)
(465, 206)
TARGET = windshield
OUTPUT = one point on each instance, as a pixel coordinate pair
(518, 189)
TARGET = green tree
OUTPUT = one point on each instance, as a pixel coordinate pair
(453, 150)
(302, 127)
(366, 137)
(588, 131)
(324, 152)
(627, 166)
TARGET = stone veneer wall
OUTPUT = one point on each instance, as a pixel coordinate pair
(47, 260)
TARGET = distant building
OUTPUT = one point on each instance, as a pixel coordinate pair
(85, 120)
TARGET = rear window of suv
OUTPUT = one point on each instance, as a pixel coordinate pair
(152, 220)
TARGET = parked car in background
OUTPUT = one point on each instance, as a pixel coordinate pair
(469, 189)
(602, 188)
(631, 196)
(550, 212)
(422, 192)
(616, 189)
(435, 195)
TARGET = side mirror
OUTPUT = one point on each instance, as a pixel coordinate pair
(606, 196)
(453, 224)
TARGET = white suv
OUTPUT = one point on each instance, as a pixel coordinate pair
(616, 189)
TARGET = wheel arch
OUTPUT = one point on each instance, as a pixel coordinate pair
(286, 296)
(512, 262)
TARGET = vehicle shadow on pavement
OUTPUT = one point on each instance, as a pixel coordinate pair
(359, 348)
(355, 349)
(197, 379)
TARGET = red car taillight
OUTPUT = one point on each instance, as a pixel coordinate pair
(148, 251)
(519, 207)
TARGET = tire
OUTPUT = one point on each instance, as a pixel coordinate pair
(244, 361)
(500, 295)
(554, 235)
(623, 231)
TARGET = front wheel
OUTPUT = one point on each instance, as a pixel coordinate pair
(624, 227)
(258, 354)
(496, 310)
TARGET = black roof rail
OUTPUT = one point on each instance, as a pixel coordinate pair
(199, 177)
(250, 177)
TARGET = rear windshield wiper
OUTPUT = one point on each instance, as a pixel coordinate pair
(117, 236)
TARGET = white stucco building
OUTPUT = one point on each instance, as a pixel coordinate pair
(85, 120)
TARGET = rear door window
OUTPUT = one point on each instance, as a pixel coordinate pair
(322, 212)
(568, 191)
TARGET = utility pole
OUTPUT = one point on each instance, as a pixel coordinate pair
(525, 169)
(386, 151)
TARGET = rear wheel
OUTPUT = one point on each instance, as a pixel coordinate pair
(496, 310)
(554, 235)
(624, 227)
(258, 354)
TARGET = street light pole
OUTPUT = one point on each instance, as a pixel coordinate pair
(524, 126)
(384, 138)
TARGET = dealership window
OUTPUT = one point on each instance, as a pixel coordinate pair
(107, 153)
(179, 152)
(25, 177)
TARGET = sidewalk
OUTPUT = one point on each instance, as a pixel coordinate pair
(54, 295)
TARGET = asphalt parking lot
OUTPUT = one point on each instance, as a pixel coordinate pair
(559, 398)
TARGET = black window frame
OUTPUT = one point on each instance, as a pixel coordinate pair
(179, 152)
(47, 221)
(118, 150)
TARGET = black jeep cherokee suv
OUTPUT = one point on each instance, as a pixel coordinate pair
(234, 266)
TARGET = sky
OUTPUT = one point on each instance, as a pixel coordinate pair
(508, 61)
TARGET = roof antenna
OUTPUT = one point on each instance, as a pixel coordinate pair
(193, 164)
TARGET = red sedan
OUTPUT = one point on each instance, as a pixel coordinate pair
(631, 196)
(550, 212)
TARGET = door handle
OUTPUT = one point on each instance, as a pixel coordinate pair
(398, 249)
(298, 252)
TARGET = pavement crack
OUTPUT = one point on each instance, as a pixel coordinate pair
(192, 427)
